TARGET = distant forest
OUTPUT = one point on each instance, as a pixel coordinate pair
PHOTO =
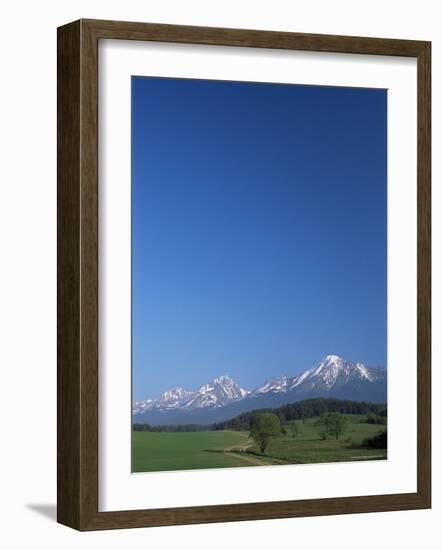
(301, 410)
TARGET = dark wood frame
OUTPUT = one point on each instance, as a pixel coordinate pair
(77, 224)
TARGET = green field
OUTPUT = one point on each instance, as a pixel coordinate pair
(308, 447)
(166, 451)
(157, 451)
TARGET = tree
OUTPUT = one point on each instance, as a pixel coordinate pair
(322, 426)
(263, 427)
(302, 414)
(334, 423)
(295, 429)
(337, 423)
(236, 423)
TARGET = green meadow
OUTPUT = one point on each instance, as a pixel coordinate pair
(301, 444)
(307, 447)
(165, 451)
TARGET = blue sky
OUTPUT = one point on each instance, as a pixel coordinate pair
(258, 230)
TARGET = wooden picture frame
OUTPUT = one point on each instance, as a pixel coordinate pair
(77, 461)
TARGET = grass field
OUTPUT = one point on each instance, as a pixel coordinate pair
(166, 451)
(307, 447)
(162, 451)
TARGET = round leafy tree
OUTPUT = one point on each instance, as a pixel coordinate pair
(334, 424)
(263, 427)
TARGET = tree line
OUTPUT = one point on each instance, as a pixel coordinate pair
(144, 427)
(301, 410)
(309, 408)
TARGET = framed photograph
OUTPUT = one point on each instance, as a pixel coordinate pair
(243, 275)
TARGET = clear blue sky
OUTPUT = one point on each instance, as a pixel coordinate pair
(258, 230)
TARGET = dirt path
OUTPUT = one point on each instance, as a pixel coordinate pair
(240, 452)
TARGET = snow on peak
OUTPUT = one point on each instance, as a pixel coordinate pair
(174, 394)
(223, 379)
(364, 372)
(278, 384)
(217, 393)
(330, 364)
(297, 380)
(141, 406)
(332, 360)
(331, 372)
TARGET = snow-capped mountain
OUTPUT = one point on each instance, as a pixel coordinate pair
(275, 385)
(334, 372)
(217, 393)
(169, 400)
(142, 406)
(222, 398)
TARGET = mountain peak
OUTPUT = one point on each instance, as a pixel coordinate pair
(217, 393)
(332, 376)
(329, 363)
(174, 393)
(333, 371)
(275, 385)
(223, 379)
(332, 359)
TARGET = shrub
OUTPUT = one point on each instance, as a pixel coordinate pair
(378, 441)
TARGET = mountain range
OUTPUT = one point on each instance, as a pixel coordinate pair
(223, 398)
